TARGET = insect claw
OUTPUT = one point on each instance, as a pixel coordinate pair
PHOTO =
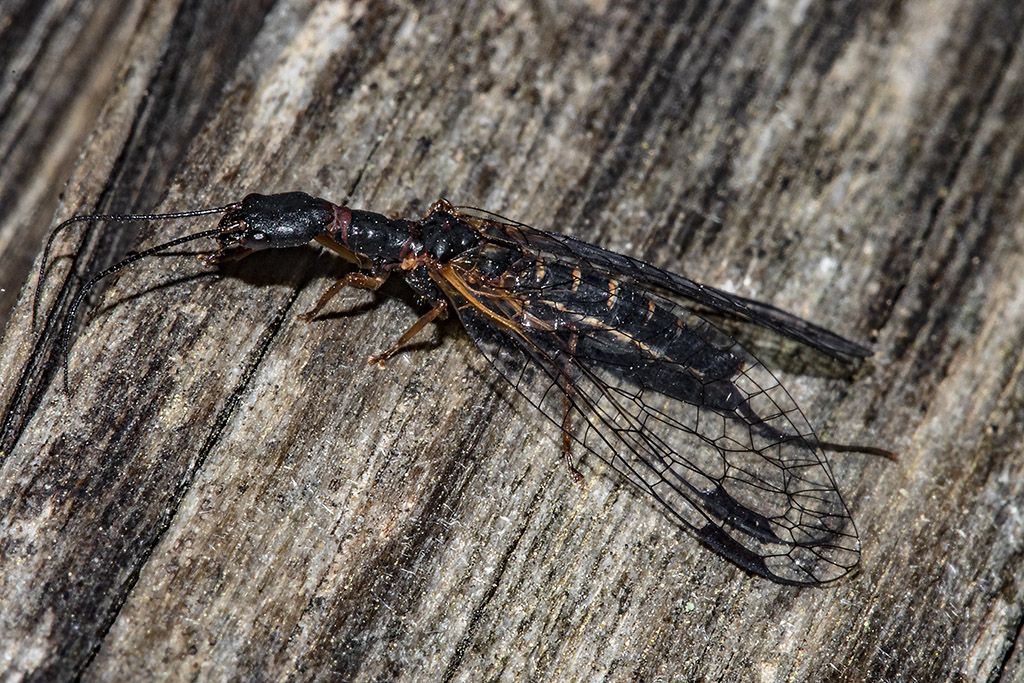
(570, 466)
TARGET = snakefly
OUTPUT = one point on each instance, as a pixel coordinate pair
(631, 362)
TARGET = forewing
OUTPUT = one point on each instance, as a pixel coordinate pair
(680, 409)
(626, 268)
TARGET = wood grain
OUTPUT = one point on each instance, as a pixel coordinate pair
(229, 493)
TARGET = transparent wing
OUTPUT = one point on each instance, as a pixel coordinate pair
(672, 403)
(500, 229)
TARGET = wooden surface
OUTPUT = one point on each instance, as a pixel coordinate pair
(229, 493)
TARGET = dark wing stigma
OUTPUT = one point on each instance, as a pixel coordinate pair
(662, 395)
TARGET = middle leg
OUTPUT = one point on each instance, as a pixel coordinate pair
(440, 310)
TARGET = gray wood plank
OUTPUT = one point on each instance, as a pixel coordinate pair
(228, 492)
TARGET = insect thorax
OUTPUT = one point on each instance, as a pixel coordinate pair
(444, 236)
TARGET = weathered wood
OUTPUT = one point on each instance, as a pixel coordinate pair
(231, 493)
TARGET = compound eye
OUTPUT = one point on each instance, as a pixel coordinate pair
(254, 239)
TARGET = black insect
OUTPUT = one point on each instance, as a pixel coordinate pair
(628, 360)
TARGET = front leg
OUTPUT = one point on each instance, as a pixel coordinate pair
(355, 280)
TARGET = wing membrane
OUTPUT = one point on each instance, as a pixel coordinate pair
(645, 275)
(668, 400)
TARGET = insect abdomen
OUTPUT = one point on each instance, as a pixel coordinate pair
(629, 327)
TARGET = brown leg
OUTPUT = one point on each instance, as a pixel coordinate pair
(440, 309)
(344, 252)
(357, 280)
(576, 475)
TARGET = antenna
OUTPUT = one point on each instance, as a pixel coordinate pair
(69, 321)
(118, 218)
